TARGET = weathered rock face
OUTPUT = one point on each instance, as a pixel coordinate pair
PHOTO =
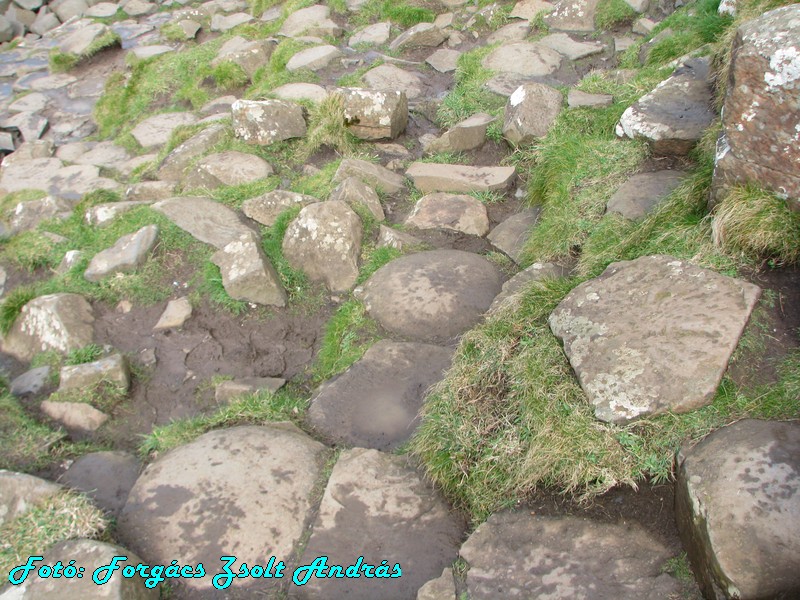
(206, 220)
(377, 176)
(313, 59)
(421, 35)
(20, 492)
(530, 112)
(126, 255)
(375, 115)
(761, 118)
(155, 131)
(652, 335)
(510, 235)
(642, 193)
(75, 417)
(469, 134)
(573, 15)
(247, 273)
(177, 161)
(248, 54)
(449, 211)
(266, 121)
(737, 510)
(440, 177)
(245, 489)
(61, 322)
(563, 558)
(266, 208)
(523, 58)
(324, 241)
(372, 498)
(113, 369)
(106, 477)
(374, 404)
(227, 168)
(355, 192)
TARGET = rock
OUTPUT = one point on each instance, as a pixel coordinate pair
(389, 78)
(6, 30)
(761, 122)
(102, 215)
(111, 369)
(29, 214)
(431, 296)
(436, 177)
(175, 314)
(128, 254)
(176, 162)
(313, 59)
(565, 557)
(30, 125)
(266, 208)
(138, 8)
(727, 7)
(266, 121)
(623, 43)
(374, 115)
(31, 382)
(148, 52)
(421, 35)
(370, 498)
(392, 238)
(313, 21)
(373, 175)
(640, 195)
(355, 192)
(226, 391)
(106, 477)
(204, 219)
(20, 492)
(529, 9)
(324, 241)
(573, 15)
(190, 28)
(442, 588)
(103, 10)
(77, 417)
(513, 32)
(61, 322)
(746, 473)
(33, 102)
(375, 403)
(103, 154)
(577, 99)
(196, 492)
(639, 6)
(675, 114)
(469, 134)
(227, 22)
(563, 44)
(250, 55)
(80, 41)
(227, 168)
(70, 261)
(301, 91)
(448, 211)
(638, 336)
(247, 273)
(444, 60)
(69, 8)
(510, 235)
(530, 113)
(516, 285)
(530, 59)
(156, 130)
(376, 34)
(644, 26)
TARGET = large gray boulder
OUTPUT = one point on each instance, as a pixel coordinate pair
(247, 274)
(127, 254)
(204, 219)
(266, 121)
(443, 177)
(374, 115)
(652, 335)
(106, 477)
(530, 112)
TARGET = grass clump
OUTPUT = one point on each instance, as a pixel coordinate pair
(212, 287)
(12, 306)
(25, 444)
(274, 73)
(348, 335)
(103, 395)
(404, 14)
(228, 76)
(84, 355)
(327, 126)
(611, 13)
(64, 61)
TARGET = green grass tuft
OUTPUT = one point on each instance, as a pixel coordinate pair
(348, 335)
(87, 354)
(612, 13)
(228, 76)
(12, 307)
(404, 15)
(327, 126)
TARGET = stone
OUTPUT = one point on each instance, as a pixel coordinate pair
(129, 253)
(573, 15)
(431, 296)
(673, 117)
(77, 417)
(106, 477)
(737, 511)
(81, 40)
(381, 178)
(111, 369)
(70, 261)
(175, 314)
(324, 241)
(376, 34)
(301, 91)
(20, 492)
(33, 102)
(314, 20)
(139, 8)
(263, 122)
(530, 113)
(148, 52)
(218, 105)
(51, 82)
(313, 59)
(563, 44)
(727, 7)
(393, 238)
(247, 274)
(6, 30)
(69, 8)
(266, 209)
(389, 78)
(421, 35)
(227, 168)
(259, 478)
(444, 60)
(355, 192)
(374, 115)
(102, 215)
(564, 557)
(641, 194)
(208, 221)
(227, 22)
(644, 26)
(577, 99)
(190, 28)
(103, 10)
(31, 382)
(174, 166)
(448, 211)
(510, 235)
(530, 59)
(29, 214)
(652, 335)
(60, 322)
(623, 43)
(437, 177)
(227, 391)
(375, 403)
(441, 588)
(72, 182)
(371, 498)
(103, 154)
(156, 130)
(761, 118)
(469, 134)
(513, 32)
(30, 125)
(250, 55)
(529, 9)
(639, 6)
(516, 285)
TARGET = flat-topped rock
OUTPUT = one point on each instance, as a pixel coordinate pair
(127, 254)
(375, 175)
(174, 166)
(641, 194)
(572, 49)
(516, 31)
(374, 115)
(375, 403)
(112, 369)
(248, 54)
(247, 274)
(227, 168)
(530, 112)
(301, 91)
(266, 121)
(151, 51)
(20, 492)
(577, 99)
(106, 477)
(510, 235)
(313, 59)
(652, 335)
(438, 177)
(573, 15)
(432, 296)
(421, 35)
(78, 418)
(530, 59)
(376, 34)
(355, 192)
(529, 9)
(314, 21)
(441, 210)
(81, 40)
(390, 78)
(156, 130)
(223, 23)
(203, 218)
(468, 134)
(266, 209)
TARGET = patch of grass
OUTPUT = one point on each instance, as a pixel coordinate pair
(25, 444)
(235, 195)
(12, 307)
(87, 354)
(319, 185)
(402, 14)
(104, 396)
(274, 73)
(355, 79)
(348, 335)
(211, 285)
(611, 13)
(228, 75)
(294, 281)
(693, 26)
(450, 158)
(64, 61)
(679, 568)
(327, 126)
(489, 197)
(174, 32)
(375, 259)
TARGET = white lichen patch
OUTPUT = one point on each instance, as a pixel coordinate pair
(518, 97)
(785, 65)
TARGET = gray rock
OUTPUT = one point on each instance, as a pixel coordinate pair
(529, 9)
(226, 391)
(70, 260)
(206, 220)
(104, 154)
(218, 105)
(638, 336)
(33, 102)
(313, 59)
(563, 44)
(103, 10)
(112, 369)
(187, 502)
(126, 255)
(510, 235)
(577, 99)
(640, 195)
(75, 417)
(300, 91)
(644, 26)
(376, 34)
(266, 121)
(374, 115)
(573, 15)
(30, 125)
(324, 241)
(156, 130)
(444, 60)
(314, 20)
(247, 273)
(174, 166)
(373, 175)
(530, 59)
(106, 477)
(516, 285)
(389, 78)
(147, 52)
(371, 498)
(639, 6)
(27, 215)
(69, 8)
(421, 35)
(266, 209)
(747, 474)
(6, 30)
(392, 238)
(530, 113)
(102, 215)
(623, 43)
(355, 192)
(190, 28)
(441, 588)
(227, 168)
(175, 314)
(513, 32)
(449, 211)
(138, 8)
(31, 382)
(439, 177)
(431, 296)
(20, 492)
(227, 22)
(469, 134)
(79, 42)
(250, 55)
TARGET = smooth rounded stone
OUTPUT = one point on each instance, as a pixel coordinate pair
(106, 477)
(564, 558)
(266, 209)
(530, 113)
(129, 253)
(243, 489)
(573, 50)
(156, 130)
(377, 506)
(577, 99)
(469, 134)
(103, 154)
(737, 511)
(355, 192)
(20, 492)
(376, 34)
(314, 20)
(381, 178)
(29, 214)
(390, 78)
(639, 336)
(6, 30)
(510, 235)
(60, 322)
(375, 403)
(573, 15)
(432, 296)
(641, 194)
(147, 52)
(530, 59)
(529, 9)
(513, 32)
(421, 35)
(138, 8)
(227, 22)
(102, 215)
(263, 122)
(442, 177)
(75, 417)
(247, 274)
(250, 55)
(33, 102)
(30, 125)
(374, 115)
(227, 391)
(112, 369)
(204, 219)
(103, 10)
(393, 238)
(301, 91)
(516, 285)
(324, 241)
(313, 59)
(444, 60)
(673, 117)
(227, 168)
(448, 211)
(31, 382)
(174, 166)
(218, 105)
(69, 8)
